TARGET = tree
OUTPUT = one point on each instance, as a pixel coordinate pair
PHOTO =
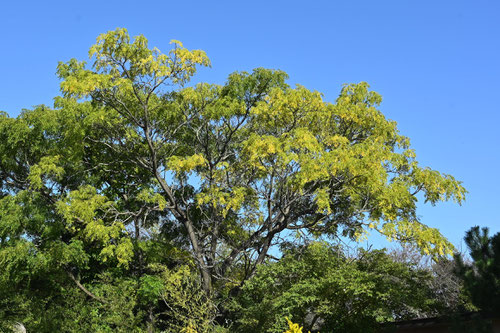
(130, 158)
(481, 277)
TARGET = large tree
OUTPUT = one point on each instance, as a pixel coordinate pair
(130, 154)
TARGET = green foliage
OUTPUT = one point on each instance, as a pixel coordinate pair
(185, 303)
(482, 276)
(169, 301)
(323, 289)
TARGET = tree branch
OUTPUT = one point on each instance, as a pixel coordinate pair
(85, 290)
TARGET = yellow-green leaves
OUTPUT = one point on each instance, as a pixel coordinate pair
(223, 172)
(121, 66)
(227, 200)
(439, 187)
(259, 151)
(85, 82)
(47, 167)
(82, 205)
(123, 252)
(179, 289)
(323, 200)
(149, 196)
(429, 240)
(182, 62)
(345, 152)
(185, 164)
(290, 108)
(85, 213)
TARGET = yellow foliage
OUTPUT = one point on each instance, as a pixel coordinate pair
(48, 166)
(228, 200)
(293, 328)
(185, 164)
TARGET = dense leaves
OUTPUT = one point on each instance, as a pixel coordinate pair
(321, 287)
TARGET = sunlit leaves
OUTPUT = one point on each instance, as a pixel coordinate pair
(187, 306)
(185, 164)
(84, 211)
(352, 147)
(48, 166)
(122, 66)
(429, 240)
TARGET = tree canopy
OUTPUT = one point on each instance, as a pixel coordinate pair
(134, 170)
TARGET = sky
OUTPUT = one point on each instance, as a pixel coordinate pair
(436, 64)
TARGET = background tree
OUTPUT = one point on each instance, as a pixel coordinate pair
(482, 276)
(447, 288)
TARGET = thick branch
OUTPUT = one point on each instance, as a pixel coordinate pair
(85, 290)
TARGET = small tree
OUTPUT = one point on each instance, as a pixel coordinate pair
(482, 276)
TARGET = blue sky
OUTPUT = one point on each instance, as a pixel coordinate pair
(436, 63)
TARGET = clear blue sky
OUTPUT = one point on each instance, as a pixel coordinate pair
(436, 63)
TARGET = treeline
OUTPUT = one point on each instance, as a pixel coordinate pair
(323, 287)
